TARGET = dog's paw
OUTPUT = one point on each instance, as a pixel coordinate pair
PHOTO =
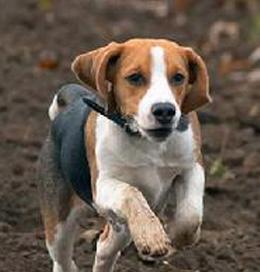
(186, 238)
(185, 233)
(150, 238)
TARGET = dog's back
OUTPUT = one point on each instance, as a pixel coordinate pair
(64, 152)
(67, 135)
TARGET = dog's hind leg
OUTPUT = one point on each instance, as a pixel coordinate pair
(60, 236)
(60, 209)
(109, 246)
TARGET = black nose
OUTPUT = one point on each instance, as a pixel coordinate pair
(163, 112)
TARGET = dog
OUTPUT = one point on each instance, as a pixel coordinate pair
(89, 164)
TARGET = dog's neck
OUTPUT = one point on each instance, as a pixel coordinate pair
(126, 123)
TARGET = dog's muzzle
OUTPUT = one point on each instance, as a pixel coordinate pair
(161, 133)
(163, 114)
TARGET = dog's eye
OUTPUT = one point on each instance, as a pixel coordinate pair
(177, 79)
(136, 79)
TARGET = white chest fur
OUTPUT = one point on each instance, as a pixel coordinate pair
(149, 166)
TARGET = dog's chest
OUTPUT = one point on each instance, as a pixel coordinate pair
(149, 166)
(153, 182)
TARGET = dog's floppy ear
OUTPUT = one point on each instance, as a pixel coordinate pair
(198, 93)
(94, 69)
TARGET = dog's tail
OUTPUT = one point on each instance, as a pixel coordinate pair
(65, 96)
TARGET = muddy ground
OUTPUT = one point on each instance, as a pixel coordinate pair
(39, 39)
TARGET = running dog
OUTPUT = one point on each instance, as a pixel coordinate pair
(120, 162)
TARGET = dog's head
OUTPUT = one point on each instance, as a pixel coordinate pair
(152, 81)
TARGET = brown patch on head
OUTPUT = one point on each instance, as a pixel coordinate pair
(90, 143)
(134, 61)
(121, 73)
(136, 58)
(193, 92)
(107, 68)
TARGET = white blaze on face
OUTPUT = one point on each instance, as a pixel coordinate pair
(158, 92)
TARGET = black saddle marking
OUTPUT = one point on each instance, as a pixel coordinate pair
(67, 131)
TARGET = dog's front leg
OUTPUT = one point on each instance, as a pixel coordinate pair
(112, 241)
(189, 211)
(128, 204)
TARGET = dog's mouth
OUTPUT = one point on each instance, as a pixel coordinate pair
(159, 134)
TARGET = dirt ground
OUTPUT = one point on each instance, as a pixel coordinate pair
(39, 39)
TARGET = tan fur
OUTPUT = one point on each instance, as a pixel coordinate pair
(53, 217)
(90, 147)
(50, 223)
(198, 95)
(195, 126)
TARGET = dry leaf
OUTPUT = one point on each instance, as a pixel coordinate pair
(217, 168)
(48, 60)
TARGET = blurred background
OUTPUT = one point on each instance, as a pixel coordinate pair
(38, 41)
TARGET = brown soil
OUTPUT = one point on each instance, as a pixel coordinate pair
(38, 41)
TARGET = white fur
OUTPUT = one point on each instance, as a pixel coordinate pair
(148, 166)
(54, 108)
(109, 249)
(190, 193)
(159, 91)
(61, 248)
(189, 209)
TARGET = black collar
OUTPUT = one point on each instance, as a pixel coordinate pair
(126, 123)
